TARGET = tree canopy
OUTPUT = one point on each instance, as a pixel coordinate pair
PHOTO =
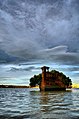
(36, 79)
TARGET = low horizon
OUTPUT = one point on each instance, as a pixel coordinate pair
(73, 85)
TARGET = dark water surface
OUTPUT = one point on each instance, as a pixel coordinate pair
(23, 103)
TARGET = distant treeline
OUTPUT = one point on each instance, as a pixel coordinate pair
(13, 86)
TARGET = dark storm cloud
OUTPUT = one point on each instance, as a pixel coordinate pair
(40, 29)
(59, 55)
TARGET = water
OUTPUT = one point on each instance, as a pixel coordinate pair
(23, 103)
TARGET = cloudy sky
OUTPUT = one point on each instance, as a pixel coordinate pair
(34, 33)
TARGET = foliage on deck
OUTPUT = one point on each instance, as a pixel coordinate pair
(36, 79)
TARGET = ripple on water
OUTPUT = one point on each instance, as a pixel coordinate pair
(26, 103)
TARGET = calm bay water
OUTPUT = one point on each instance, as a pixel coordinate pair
(23, 103)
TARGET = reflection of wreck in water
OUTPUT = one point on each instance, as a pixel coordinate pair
(50, 82)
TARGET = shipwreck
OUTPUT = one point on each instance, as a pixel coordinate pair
(49, 82)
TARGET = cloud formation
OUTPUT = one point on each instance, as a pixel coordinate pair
(26, 27)
(39, 31)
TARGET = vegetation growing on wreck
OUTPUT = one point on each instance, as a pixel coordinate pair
(36, 79)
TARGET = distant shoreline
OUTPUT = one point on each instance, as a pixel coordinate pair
(13, 86)
(18, 86)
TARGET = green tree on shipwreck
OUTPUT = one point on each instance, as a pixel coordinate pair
(36, 79)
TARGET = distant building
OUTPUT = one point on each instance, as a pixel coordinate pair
(49, 82)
